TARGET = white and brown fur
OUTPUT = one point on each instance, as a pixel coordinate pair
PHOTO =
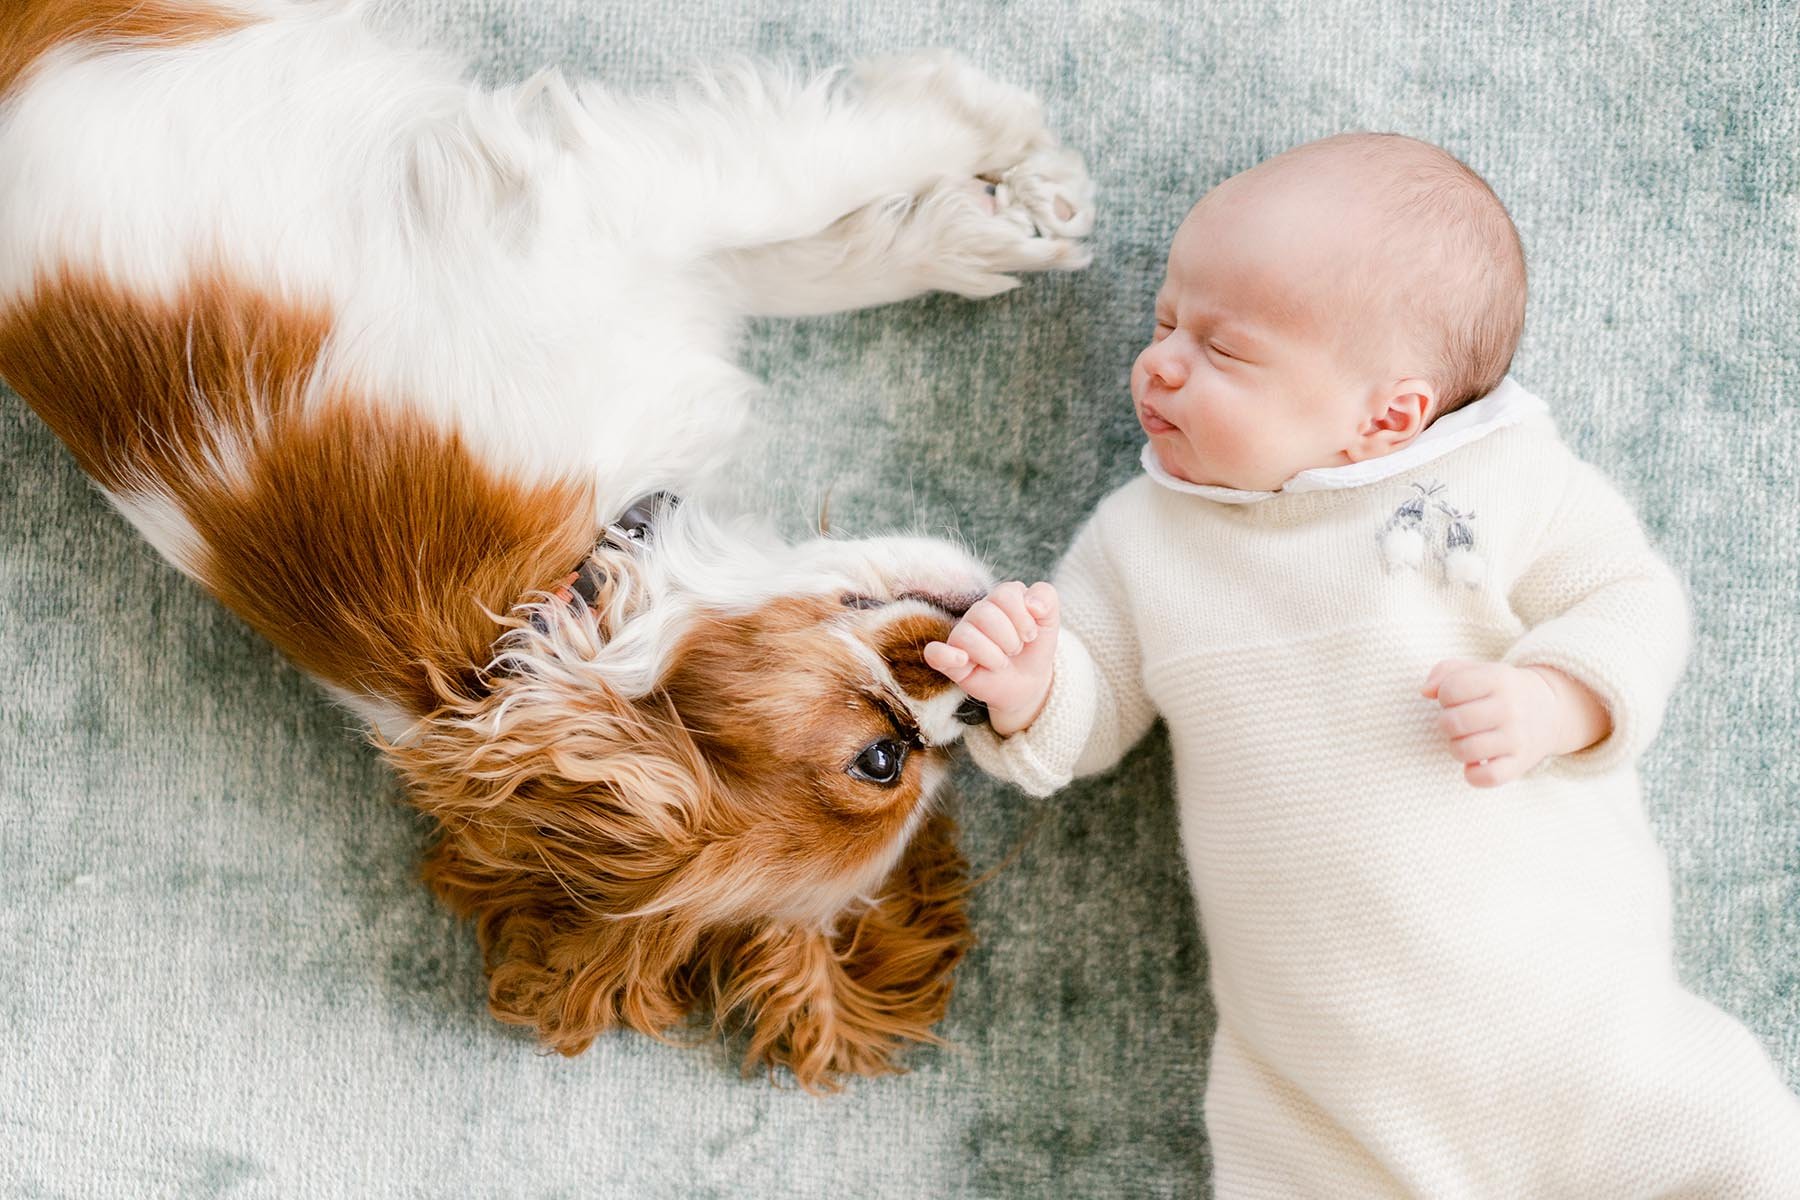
(377, 356)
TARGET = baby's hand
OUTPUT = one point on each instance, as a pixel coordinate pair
(1000, 653)
(1504, 720)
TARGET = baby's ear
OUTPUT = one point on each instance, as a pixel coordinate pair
(1395, 415)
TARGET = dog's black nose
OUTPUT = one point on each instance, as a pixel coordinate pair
(972, 712)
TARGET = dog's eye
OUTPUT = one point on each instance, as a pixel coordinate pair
(880, 762)
(851, 600)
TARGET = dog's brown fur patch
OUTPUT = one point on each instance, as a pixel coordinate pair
(142, 392)
(29, 29)
(902, 644)
(368, 546)
(373, 551)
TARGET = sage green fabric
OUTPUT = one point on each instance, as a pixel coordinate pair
(222, 978)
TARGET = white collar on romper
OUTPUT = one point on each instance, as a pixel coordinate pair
(1506, 405)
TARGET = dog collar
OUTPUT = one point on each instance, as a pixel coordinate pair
(633, 529)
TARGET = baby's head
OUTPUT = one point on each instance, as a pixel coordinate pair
(1324, 307)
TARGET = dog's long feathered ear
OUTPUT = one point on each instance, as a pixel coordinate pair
(830, 1004)
(559, 970)
(566, 823)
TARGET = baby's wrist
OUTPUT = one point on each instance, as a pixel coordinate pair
(1578, 717)
(1018, 718)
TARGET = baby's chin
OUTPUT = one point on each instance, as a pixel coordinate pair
(1176, 457)
(1166, 448)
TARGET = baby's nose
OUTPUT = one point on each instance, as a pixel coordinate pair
(1164, 363)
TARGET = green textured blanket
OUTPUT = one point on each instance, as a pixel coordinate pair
(222, 977)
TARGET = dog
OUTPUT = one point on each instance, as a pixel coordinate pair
(428, 384)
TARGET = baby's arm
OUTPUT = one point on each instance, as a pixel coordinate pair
(1071, 701)
(1607, 637)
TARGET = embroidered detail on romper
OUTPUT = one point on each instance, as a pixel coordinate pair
(1403, 537)
(1461, 563)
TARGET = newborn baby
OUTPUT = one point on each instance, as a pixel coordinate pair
(1365, 584)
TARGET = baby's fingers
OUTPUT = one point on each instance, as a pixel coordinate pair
(1477, 716)
(1493, 772)
(998, 617)
(1042, 602)
(969, 638)
(1011, 600)
(1466, 682)
(1481, 747)
(948, 661)
(1439, 673)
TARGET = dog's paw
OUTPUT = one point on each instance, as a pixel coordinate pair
(977, 235)
(1049, 194)
(1007, 197)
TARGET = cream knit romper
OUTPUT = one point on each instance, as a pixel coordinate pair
(1424, 988)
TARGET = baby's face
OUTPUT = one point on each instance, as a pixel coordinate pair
(1256, 370)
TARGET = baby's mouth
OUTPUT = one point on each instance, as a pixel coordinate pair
(1153, 422)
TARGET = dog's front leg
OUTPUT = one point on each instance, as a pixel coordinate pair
(967, 236)
(747, 157)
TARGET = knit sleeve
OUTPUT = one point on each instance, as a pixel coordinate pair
(1097, 709)
(1601, 607)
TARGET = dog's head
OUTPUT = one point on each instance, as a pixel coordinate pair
(702, 786)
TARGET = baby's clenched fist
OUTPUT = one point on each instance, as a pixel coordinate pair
(1502, 720)
(1000, 653)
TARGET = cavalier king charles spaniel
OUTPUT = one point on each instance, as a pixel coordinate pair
(428, 384)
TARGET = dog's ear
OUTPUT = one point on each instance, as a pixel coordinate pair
(830, 1003)
(569, 831)
(557, 967)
